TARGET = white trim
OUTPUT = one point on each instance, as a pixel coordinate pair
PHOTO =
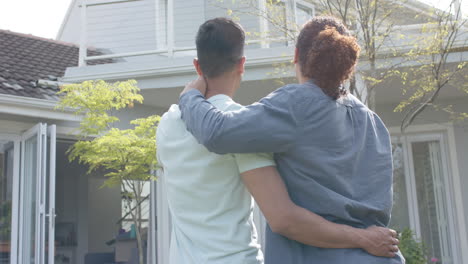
(65, 19)
(17, 128)
(139, 53)
(263, 24)
(170, 27)
(33, 107)
(152, 252)
(451, 209)
(416, 7)
(39, 244)
(83, 35)
(411, 189)
(458, 197)
(304, 5)
(21, 100)
(125, 54)
(163, 221)
(165, 70)
(15, 199)
(20, 203)
(444, 134)
(291, 7)
(395, 131)
(107, 2)
(157, 25)
(50, 214)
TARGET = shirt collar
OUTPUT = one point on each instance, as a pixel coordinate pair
(218, 100)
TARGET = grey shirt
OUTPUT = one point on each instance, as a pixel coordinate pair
(335, 158)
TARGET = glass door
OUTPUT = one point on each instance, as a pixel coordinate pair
(422, 195)
(9, 175)
(36, 202)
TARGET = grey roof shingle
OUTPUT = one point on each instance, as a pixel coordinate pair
(25, 59)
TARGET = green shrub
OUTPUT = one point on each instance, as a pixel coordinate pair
(412, 249)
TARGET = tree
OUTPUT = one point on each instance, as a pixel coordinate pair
(371, 21)
(377, 24)
(127, 156)
(368, 19)
(434, 71)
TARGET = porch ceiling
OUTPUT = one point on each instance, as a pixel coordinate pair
(391, 91)
(248, 93)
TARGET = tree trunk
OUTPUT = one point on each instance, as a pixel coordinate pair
(137, 228)
(371, 87)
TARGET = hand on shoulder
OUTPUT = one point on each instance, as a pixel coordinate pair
(198, 84)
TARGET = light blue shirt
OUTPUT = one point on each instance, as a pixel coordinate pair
(210, 207)
(334, 156)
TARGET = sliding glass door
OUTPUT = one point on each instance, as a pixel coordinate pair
(423, 195)
(36, 199)
(9, 171)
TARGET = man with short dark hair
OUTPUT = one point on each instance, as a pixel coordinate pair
(210, 206)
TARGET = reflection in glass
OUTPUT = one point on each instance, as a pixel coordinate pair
(29, 200)
(430, 189)
(6, 187)
(400, 212)
(303, 14)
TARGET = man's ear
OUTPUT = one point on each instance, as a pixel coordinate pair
(241, 65)
(197, 67)
(296, 56)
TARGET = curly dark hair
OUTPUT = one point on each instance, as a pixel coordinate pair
(327, 53)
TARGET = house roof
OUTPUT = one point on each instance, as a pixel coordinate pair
(26, 59)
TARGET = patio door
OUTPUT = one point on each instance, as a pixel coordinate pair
(36, 197)
(423, 195)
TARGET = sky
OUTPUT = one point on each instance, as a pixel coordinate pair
(43, 17)
(37, 17)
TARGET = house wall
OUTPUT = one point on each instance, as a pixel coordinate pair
(104, 210)
(114, 27)
(71, 26)
(93, 211)
(138, 111)
(433, 118)
(189, 15)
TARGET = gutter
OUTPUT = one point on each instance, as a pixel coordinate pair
(33, 107)
(161, 71)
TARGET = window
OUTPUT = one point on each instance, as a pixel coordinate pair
(284, 19)
(304, 12)
(130, 205)
(6, 187)
(422, 194)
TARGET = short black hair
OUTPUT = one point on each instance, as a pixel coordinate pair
(220, 46)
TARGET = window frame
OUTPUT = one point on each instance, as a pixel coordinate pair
(304, 5)
(443, 133)
(291, 7)
(126, 216)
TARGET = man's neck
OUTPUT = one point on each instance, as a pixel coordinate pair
(222, 85)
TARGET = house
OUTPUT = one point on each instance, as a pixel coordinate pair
(36, 179)
(152, 41)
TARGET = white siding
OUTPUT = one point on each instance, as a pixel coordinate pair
(122, 27)
(71, 26)
(188, 16)
(241, 12)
